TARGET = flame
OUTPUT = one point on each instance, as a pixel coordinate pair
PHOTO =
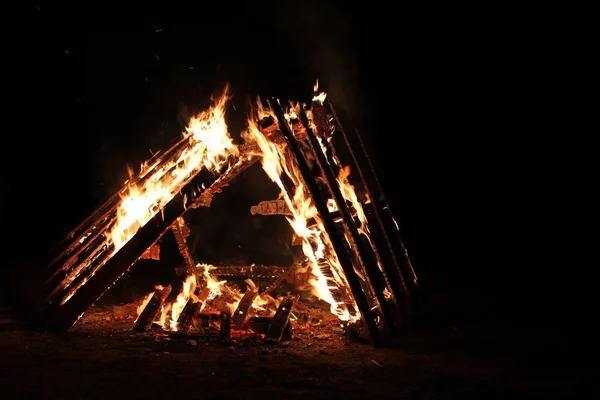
(170, 312)
(315, 242)
(318, 97)
(209, 147)
(189, 286)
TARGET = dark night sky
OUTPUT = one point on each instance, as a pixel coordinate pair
(93, 89)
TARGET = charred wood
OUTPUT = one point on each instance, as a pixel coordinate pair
(243, 309)
(293, 151)
(245, 161)
(403, 273)
(271, 207)
(97, 223)
(152, 309)
(365, 257)
(188, 314)
(182, 232)
(225, 328)
(153, 253)
(261, 325)
(207, 320)
(278, 323)
(62, 315)
(330, 227)
(250, 271)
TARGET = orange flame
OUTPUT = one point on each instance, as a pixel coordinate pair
(316, 246)
(209, 147)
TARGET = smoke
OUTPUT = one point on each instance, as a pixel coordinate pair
(323, 34)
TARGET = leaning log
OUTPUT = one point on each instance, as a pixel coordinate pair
(192, 308)
(385, 220)
(373, 279)
(152, 309)
(101, 218)
(225, 326)
(61, 315)
(188, 314)
(337, 241)
(242, 310)
(281, 319)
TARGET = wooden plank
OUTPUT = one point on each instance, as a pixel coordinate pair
(242, 310)
(281, 319)
(152, 309)
(62, 315)
(338, 242)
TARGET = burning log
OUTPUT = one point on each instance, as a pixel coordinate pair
(62, 314)
(188, 314)
(192, 308)
(90, 248)
(404, 279)
(353, 273)
(290, 182)
(281, 319)
(337, 241)
(242, 310)
(375, 281)
(95, 226)
(152, 309)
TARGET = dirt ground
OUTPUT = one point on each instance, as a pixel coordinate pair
(434, 358)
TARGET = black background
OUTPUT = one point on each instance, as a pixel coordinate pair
(439, 94)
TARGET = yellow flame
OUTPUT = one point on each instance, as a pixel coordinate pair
(143, 304)
(315, 243)
(209, 147)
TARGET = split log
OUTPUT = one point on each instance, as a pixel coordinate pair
(152, 309)
(242, 310)
(61, 315)
(281, 318)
